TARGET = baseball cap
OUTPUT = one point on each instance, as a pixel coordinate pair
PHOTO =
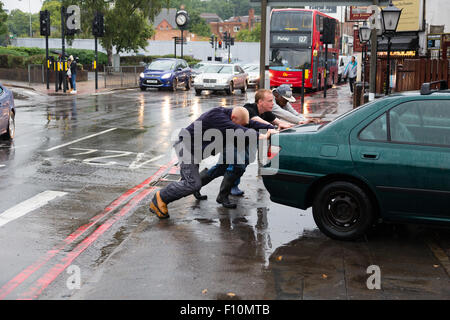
(285, 91)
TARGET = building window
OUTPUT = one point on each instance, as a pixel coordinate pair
(236, 29)
(220, 29)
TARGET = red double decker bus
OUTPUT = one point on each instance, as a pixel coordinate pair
(295, 44)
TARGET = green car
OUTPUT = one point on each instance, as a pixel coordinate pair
(388, 160)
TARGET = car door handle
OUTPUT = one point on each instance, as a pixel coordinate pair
(370, 155)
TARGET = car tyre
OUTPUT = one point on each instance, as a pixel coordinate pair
(11, 131)
(174, 85)
(343, 211)
(244, 89)
(230, 89)
(198, 92)
(188, 84)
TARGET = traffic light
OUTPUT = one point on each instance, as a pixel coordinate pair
(329, 31)
(211, 40)
(232, 41)
(97, 25)
(220, 44)
(44, 20)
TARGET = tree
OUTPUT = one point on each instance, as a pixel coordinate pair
(247, 35)
(126, 22)
(198, 25)
(3, 24)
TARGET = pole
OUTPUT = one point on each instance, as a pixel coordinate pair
(228, 41)
(303, 88)
(182, 43)
(262, 47)
(48, 62)
(373, 61)
(95, 64)
(31, 31)
(388, 71)
(175, 46)
(63, 56)
(326, 72)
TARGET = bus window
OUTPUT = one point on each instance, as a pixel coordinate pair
(291, 21)
(291, 58)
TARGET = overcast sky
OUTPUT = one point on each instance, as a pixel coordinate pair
(24, 5)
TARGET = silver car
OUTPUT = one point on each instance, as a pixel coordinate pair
(253, 74)
(217, 77)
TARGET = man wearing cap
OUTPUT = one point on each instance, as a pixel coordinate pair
(282, 107)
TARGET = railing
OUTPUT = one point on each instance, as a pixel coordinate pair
(126, 76)
(36, 73)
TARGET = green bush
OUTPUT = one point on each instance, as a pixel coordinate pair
(3, 61)
(12, 52)
(136, 60)
(28, 51)
(35, 59)
(16, 61)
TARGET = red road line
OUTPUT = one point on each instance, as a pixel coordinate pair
(25, 274)
(53, 273)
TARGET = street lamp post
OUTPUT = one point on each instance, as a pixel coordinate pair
(364, 37)
(390, 17)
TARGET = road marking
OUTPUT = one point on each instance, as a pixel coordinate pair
(45, 280)
(29, 205)
(2, 165)
(139, 157)
(81, 139)
(7, 288)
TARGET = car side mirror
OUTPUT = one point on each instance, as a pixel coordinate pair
(180, 69)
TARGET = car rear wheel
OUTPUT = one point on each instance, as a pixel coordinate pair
(198, 92)
(230, 89)
(343, 211)
(10, 133)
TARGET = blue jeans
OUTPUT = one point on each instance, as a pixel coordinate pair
(73, 80)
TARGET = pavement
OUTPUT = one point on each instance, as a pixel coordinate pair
(83, 87)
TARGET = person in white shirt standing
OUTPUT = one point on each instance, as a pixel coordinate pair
(351, 72)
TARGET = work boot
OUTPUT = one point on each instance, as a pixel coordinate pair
(205, 178)
(159, 207)
(225, 189)
(235, 191)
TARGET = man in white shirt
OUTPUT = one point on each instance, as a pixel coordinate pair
(282, 107)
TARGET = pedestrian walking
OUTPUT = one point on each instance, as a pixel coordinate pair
(190, 153)
(351, 72)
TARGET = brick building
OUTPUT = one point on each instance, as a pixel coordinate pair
(235, 24)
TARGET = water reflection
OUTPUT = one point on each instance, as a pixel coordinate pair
(7, 152)
(59, 115)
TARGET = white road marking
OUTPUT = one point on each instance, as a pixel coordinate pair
(2, 165)
(29, 205)
(81, 139)
(135, 164)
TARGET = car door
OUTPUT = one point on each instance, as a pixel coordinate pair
(4, 110)
(243, 75)
(186, 70)
(405, 156)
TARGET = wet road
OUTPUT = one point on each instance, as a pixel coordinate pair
(91, 164)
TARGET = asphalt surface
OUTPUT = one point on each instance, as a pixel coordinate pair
(106, 154)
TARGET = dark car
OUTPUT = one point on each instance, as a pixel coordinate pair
(7, 113)
(388, 160)
(166, 73)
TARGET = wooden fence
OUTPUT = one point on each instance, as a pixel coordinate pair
(413, 72)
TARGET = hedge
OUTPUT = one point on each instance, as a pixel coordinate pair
(135, 60)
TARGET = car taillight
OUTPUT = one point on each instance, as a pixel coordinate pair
(272, 151)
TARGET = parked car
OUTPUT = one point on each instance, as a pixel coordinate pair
(388, 159)
(253, 74)
(198, 68)
(7, 113)
(226, 77)
(343, 61)
(166, 73)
